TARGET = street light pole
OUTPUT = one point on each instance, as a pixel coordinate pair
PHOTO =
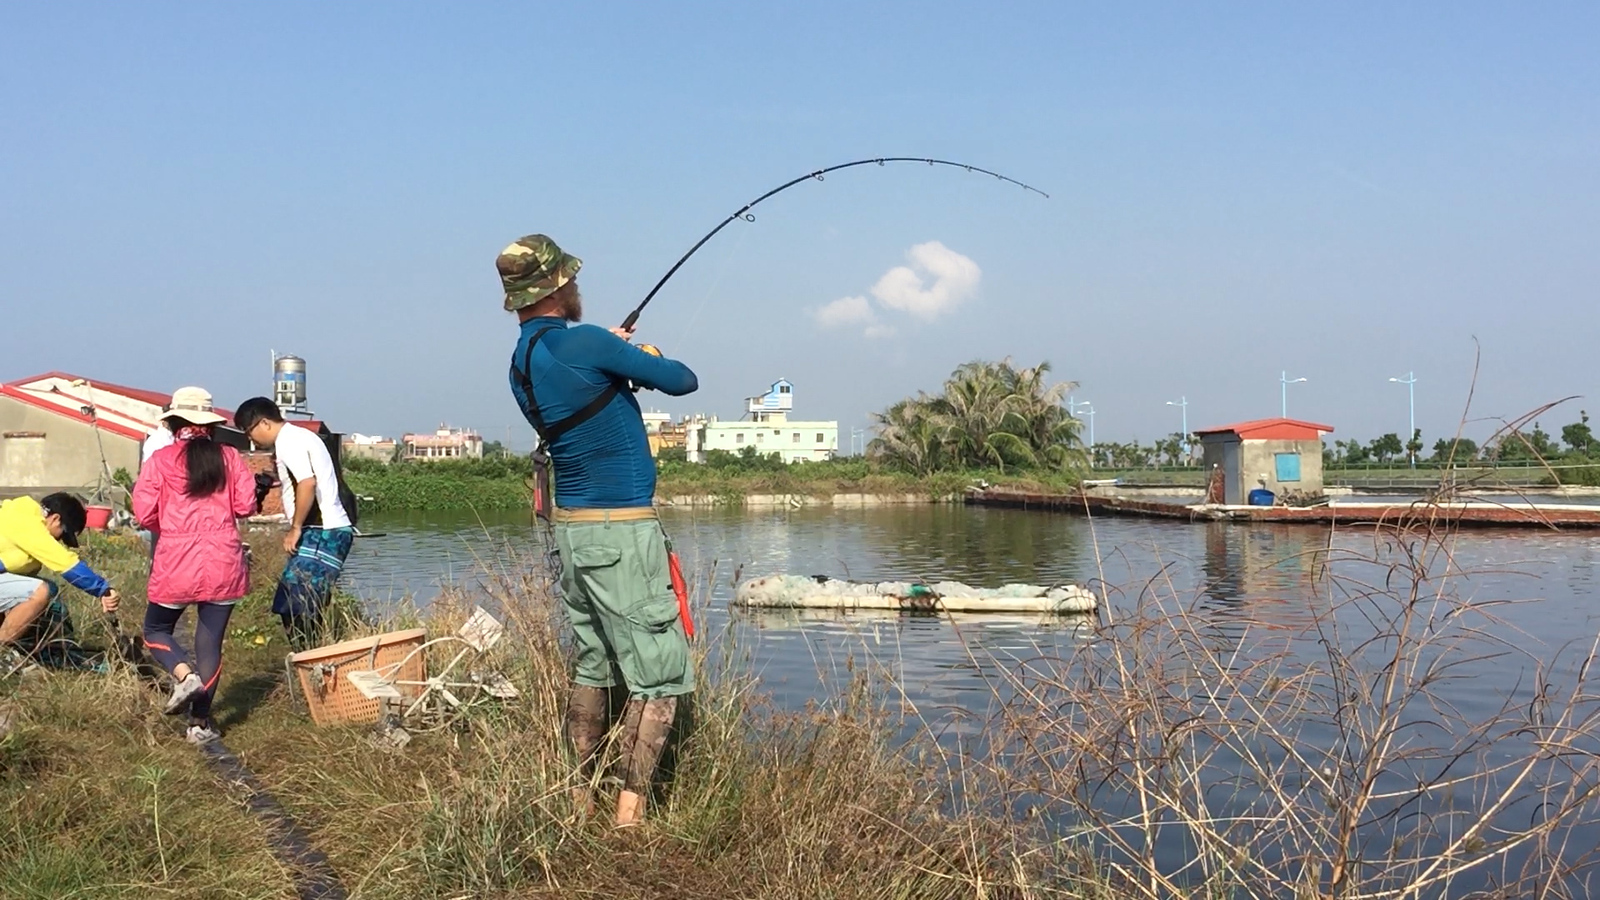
(1410, 381)
(1183, 404)
(1072, 410)
(1284, 381)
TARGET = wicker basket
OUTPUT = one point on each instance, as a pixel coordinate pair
(332, 698)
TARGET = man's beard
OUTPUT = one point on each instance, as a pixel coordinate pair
(571, 305)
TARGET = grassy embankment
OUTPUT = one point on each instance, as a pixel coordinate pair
(736, 477)
(493, 484)
(100, 796)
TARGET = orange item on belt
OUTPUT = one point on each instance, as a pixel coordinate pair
(681, 589)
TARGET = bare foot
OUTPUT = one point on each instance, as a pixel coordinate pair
(630, 809)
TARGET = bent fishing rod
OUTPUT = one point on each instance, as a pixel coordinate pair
(744, 213)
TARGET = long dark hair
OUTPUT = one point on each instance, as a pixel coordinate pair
(202, 457)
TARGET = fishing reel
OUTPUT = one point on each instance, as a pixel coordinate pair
(651, 349)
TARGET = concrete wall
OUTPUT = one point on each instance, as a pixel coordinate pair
(1243, 462)
(796, 501)
(1259, 457)
(67, 457)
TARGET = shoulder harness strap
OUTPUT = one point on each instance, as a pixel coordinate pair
(550, 431)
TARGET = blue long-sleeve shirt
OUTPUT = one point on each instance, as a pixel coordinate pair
(604, 463)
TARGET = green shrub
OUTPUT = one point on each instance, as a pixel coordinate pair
(483, 484)
(1576, 476)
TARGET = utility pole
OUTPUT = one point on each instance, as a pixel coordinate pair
(1410, 381)
(1284, 380)
(1072, 410)
(1183, 404)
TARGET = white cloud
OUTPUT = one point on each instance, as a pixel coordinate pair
(845, 311)
(955, 279)
(936, 281)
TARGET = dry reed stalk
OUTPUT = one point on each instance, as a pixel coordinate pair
(1184, 763)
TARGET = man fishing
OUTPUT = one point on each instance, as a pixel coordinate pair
(574, 384)
(35, 535)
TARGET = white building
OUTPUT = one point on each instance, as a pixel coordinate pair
(653, 421)
(444, 443)
(369, 446)
(768, 429)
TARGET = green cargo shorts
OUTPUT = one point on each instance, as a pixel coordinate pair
(619, 600)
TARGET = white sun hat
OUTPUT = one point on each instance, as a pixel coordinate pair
(193, 405)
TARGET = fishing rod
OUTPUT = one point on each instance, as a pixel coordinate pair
(744, 211)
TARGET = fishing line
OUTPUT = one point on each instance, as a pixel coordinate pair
(744, 213)
(711, 291)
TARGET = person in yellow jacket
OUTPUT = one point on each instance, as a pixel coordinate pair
(35, 535)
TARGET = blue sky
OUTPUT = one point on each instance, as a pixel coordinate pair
(1344, 191)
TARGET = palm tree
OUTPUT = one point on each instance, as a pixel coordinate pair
(906, 437)
(973, 415)
(1170, 449)
(989, 415)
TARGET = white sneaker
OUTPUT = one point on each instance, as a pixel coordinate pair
(202, 734)
(183, 692)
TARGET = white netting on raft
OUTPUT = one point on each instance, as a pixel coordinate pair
(801, 591)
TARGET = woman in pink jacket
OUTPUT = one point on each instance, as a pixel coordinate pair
(190, 495)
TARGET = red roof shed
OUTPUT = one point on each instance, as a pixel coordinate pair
(1278, 429)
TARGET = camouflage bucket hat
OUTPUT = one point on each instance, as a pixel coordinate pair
(533, 268)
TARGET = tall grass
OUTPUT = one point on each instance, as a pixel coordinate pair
(758, 802)
(88, 772)
(1177, 760)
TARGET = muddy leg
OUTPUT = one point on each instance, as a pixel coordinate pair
(586, 729)
(646, 725)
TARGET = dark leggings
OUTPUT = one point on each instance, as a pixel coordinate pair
(159, 622)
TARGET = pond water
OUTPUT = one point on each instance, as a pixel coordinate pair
(1244, 584)
(1242, 575)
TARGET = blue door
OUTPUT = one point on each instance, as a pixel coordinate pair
(1288, 466)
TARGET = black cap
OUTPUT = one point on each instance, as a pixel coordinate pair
(73, 516)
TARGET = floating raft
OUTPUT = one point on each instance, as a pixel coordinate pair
(800, 592)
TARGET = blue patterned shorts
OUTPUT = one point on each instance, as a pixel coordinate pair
(307, 582)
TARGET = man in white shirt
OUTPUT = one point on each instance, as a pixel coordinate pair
(159, 436)
(320, 528)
